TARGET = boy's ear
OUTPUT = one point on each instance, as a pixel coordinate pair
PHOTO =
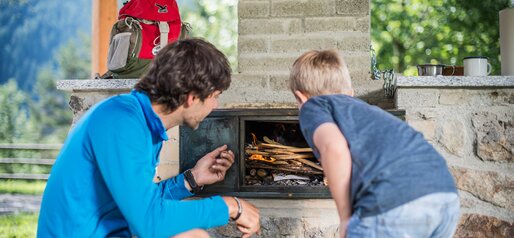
(301, 97)
(351, 92)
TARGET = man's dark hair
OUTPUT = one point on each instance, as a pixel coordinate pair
(185, 66)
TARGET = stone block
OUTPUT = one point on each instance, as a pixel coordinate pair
(252, 44)
(269, 26)
(288, 227)
(253, 9)
(80, 102)
(248, 63)
(453, 136)
(427, 128)
(490, 186)
(481, 226)
(494, 136)
(415, 98)
(498, 97)
(363, 24)
(280, 82)
(330, 24)
(301, 44)
(453, 97)
(286, 8)
(254, 91)
(425, 113)
(355, 42)
(352, 7)
(358, 62)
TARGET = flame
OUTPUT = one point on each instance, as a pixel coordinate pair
(262, 158)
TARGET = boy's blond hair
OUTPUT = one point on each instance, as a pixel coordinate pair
(320, 72)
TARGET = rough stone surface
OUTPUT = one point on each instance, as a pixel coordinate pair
(362, 24)
(456, 81)
(494, 138)
(265, 63)
(301, 45)
(480, 226)
(285, 8)
(357, 61)
(352, 7)
(96, 84)
(280, 83)
(330, 24)
(501, 97)
(269, 26)
(251, 9)
(453, 136)
(427, 128)
(453, 97)
(491, 186)
(411, 98)
(357, 42)
(252, 44)
(280, 227)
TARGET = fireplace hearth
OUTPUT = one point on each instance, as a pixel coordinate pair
(272, 160)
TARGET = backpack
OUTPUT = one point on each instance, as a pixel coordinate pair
(143, 28)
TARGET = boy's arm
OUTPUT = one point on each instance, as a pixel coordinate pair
(337, 165)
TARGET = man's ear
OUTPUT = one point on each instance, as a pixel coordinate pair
(191, 98)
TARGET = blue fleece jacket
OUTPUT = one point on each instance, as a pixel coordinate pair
(101, 183)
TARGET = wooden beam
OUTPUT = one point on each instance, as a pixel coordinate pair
(105, 13)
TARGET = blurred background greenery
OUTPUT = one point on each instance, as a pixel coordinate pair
(40, 48)
(405, 33)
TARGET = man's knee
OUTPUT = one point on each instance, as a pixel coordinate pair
(196, 233)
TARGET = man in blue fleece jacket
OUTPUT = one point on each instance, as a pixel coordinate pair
(101, 183)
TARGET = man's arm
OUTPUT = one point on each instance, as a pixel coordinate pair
(337, 166)
(123, 152)
(210, 169)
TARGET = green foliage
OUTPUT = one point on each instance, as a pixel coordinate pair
(49, 113)
(215, 21)
(22, 187)
(19, 225)
(13, 116)
(406, 33)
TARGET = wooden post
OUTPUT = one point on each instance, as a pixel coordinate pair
(105, 13)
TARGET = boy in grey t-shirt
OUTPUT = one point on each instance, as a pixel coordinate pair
(386, 179)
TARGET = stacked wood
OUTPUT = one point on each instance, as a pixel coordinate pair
(272, 155)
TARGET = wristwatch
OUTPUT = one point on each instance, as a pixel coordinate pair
(192, 182)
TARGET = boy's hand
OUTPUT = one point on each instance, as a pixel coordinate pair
(213, 166)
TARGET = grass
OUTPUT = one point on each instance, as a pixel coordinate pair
(22, 187)
(20, 225)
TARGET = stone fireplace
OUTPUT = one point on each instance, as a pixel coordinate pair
(468, 120)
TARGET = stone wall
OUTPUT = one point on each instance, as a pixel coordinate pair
(273, 33)
(470, 121)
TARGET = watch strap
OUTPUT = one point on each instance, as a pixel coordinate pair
(192, 182)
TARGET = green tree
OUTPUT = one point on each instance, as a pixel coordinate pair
(49, 112)
(406, 33)
(13, 116)
(215, 21)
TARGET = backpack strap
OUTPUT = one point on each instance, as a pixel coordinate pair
(164, 28)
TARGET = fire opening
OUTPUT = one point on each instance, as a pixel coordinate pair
(276, 154)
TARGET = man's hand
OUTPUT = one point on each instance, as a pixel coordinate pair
(213, 166)
(249, 221)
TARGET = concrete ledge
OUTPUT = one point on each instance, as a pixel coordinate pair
(75, 85)
(454, 81)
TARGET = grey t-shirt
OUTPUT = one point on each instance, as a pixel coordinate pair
(392, 163)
